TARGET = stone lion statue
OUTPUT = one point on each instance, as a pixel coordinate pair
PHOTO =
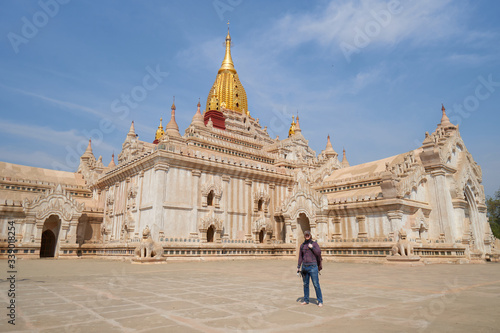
(403, 247)
(148, 248)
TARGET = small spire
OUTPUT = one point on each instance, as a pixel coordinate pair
(159, 132)
(198, 117)
(329, 151)
(112, 163)
(345, 163)
(173, 105)
(445, 121)
(297, 126)
(88, 151)
(291, 131)
(172, 129)
(131, 131)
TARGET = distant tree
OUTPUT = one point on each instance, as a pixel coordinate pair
(493, 205)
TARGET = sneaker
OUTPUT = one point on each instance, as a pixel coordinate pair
(320, 305)
(304, 303)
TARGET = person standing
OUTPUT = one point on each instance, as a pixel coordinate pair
(310, 260)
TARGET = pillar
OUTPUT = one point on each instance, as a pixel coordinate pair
(362, 233)
(396, 222)
(337, 228)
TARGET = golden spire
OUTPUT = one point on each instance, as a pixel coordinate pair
(159, 131)
(227, 88)
(227, 63)
(291, 131)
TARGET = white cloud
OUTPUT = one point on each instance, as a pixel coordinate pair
(69, 138)
(43, 134)
(64, 104)
(39, 159)
(343, 21)
(363, 79)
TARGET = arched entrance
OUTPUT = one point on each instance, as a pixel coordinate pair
(48, 246)
(261, 236)
(473, 227)
(210, 234)
(303, 225)
(50, 233)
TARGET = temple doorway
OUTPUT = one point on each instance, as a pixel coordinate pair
(302, 226)
(48, 246)
(210, 234)
(50, 233)
(261, 236)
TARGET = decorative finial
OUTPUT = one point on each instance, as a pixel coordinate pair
(445, 121)
(159, 132)
(291, 131)
(345, 162)
(173, 104)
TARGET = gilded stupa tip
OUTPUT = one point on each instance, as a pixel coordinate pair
(227, 63)
(291, 131)
(227, 90)
(159, 132)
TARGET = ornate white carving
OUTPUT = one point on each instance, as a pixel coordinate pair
(56, 201)
(261, 195)
(211, 185)
(263, 223)
(210, 220)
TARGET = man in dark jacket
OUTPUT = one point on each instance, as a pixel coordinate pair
(310, 259)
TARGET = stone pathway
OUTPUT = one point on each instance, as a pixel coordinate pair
(249, 296)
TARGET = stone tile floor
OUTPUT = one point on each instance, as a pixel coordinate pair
(249, 296)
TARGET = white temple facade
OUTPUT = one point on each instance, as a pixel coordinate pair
(226, 189)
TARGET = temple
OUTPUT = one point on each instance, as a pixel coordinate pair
(224, 188)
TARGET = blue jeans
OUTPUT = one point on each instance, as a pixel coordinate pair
(311, 272)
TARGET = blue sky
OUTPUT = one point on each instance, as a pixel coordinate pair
(372, 74)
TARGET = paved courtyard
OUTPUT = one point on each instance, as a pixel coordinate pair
(249, 296)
